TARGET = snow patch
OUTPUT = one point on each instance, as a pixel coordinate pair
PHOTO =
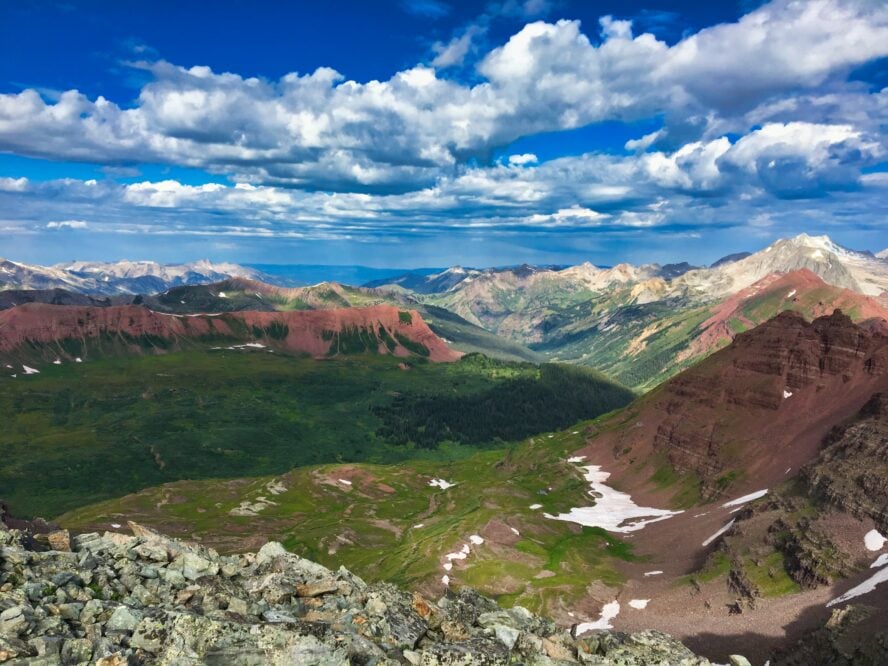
(58, 361)
(345, 481)
(222, 294)
(536, 506)
(881, 561)
(609, 611)
(441, 483)
(78, 360)
(612, 508)
(639, 604)
(786, 394)
(746, 498)
(865, 587)
(874, 541)
(719, 533)
(116, 526)
(419, 526)
(446, 580)
(791, 294)
(475, 539)
(653, 573)
(30, 371)
(576, 459)
(249, 345)
(515, 532)
(448, 566)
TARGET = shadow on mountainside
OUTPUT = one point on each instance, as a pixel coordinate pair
(852, 634)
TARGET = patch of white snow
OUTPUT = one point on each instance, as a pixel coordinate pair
(475, 539)
(639, 604)
(576, 459)
(874, 541)
(881, 561)
(612, 508)
(653, 573)
(345, 481)
(719, 533)
(441, 483)
(865, 587)
(30, 371)
(786, 394)
(609, 611)
(536, 506)
(746, 498)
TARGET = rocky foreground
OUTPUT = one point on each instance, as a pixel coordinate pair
(116, 599)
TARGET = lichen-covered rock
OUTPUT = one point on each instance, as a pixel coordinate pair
(145, 599)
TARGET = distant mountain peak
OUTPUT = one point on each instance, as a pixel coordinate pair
(118, 277)
(816, 243)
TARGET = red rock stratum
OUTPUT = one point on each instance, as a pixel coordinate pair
(381, 329)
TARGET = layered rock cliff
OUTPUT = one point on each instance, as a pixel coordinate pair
(69, 332)
(761, 405)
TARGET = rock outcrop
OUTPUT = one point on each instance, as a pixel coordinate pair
(71, 332)
(116, 599)
(853, 636)
(851, 472)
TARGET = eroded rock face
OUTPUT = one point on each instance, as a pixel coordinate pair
(115, 599)
(851, 472)
(383, 329)
(766, 394)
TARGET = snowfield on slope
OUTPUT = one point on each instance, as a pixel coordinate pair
(613, 510)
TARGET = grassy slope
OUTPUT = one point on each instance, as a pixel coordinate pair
(80, 433)
(369, 526)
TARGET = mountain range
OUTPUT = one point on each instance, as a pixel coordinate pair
(420, 432)
(641, 324)
(746, 489)
(638, 324)
(121, 277)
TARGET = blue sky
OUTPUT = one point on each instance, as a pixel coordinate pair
(426, 132)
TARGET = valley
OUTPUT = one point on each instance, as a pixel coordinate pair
(444, 333)
(745, 535)
(79, 432)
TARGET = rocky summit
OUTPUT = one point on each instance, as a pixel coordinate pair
(117, 599)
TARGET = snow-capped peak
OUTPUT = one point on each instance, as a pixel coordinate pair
(822, 243)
